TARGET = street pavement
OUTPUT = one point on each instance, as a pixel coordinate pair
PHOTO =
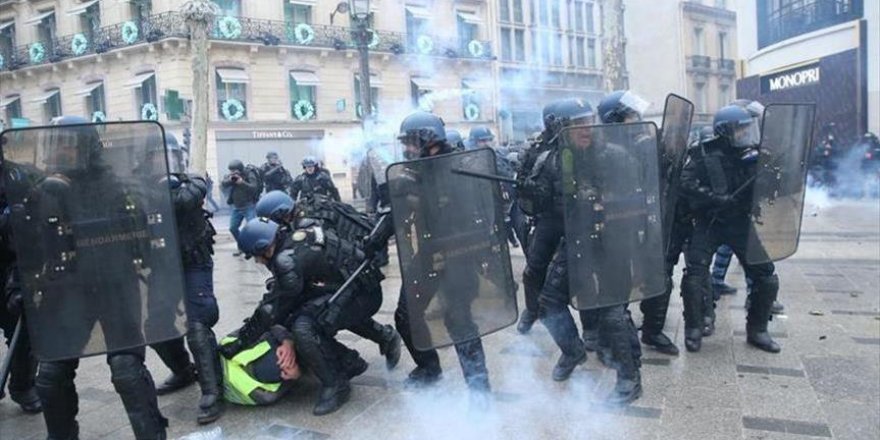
(824, 384)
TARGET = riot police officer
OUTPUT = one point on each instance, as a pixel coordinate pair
(424, 135)
(308, 266)
(313, 180)
(711, 181)
(76, 166)
(196, 236)
(350, 225)
(454, 138)
(275, 176)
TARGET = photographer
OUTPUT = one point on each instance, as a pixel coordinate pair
(243, 188)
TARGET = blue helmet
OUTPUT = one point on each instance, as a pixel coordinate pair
(422, 130)
(74, 145)
(737, 126)
(309, 161)
(275, 206)
(454, 139)
(257, 235)
(481, 133)
(621, 105)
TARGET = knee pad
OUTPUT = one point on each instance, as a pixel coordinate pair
(613, 318)
(127, 371)
(552, 301)
(695, 280)
(768, 284)
(54, 374)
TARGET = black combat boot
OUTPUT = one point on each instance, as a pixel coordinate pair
(135, 387)
(659, 342)
(203, 344)
(708, 326)
(763, 295)
(319, 354)
(627, 355)
(626, 390)
(351, 363)
(561, 327)
(28, 400)
(693, 339)
(174, 355)
(390, 346)
(57, 393)
(526, 321)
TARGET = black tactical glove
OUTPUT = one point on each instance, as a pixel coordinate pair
(270, 284)
(329, 317)
(15, 302)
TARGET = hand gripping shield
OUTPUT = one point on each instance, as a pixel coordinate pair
(613, 233)
(677, 116)
(780, 181)
(93, 224)
(454, 260)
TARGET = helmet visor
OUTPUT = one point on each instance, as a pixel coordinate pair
(61, 151)
(746, 134)
(634, 103)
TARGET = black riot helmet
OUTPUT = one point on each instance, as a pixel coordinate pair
(565, 113)
(236, 165)
(621, 106)
(419, 132)
(453, 137)
(737, 126)
(480, 136)
(73, 145)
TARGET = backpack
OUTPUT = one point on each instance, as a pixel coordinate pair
(251, 169)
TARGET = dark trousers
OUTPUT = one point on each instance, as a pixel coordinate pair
(654, 309)
(543, 242)
(23, 365)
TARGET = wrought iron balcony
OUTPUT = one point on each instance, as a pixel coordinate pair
(234, 29)
(699, 62)
(792, 18)
(726, 65)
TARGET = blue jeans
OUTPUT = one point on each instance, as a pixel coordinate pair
(238, 216)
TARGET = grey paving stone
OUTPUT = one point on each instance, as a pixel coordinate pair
(779, 397)
(663, 362)
(855, 379)
(679, 423)
(786, 426)
(752, 369)
(852, 420)
(866, 341)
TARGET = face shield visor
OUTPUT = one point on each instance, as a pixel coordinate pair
(746, 134)
(62, 152)
(634, 106)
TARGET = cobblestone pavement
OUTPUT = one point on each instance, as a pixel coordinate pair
(824, 384)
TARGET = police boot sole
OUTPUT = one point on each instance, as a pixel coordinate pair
(562, 373)
(769, 347)
(332, 405)
(210, 414)
(422, 381)
(357, 370)
(525, 325)
(30, 404)
(667, 349)
(392, 351)
(625, 399)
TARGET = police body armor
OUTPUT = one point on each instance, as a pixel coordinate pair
(195, 231)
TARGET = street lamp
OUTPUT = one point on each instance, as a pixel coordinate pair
(359, 12)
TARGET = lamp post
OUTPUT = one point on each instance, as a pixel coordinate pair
(359, 11)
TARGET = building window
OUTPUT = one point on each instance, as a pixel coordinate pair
(468, 96)
(536, 46)
(543, 13)
(723, 96)
(578, 16)
(7, 41)
(416, 23)
(517, 11)
(12, 108)
(506, 52)
(303, 95)
(141, 10)
(374, 94)
(545, 48)
(581, 52)
(94, 96)
(699, 42)
(532, 7)
(721, 4)
(467, 29)
(519, 43)
(90, 20)
(700, 97)
(504, 10)
(782, 19)
(722, 45)
(420, 91)
(229, 7)
(295, 13)
(554, 10)
(231, 87)
(557, 50)
(591, 53)
(589, 17)
(52, 106)
(46, 30)
(144, 85)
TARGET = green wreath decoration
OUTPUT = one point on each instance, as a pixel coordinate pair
(149, 112)
(471, 112)
(303, 110)
(130, 32)
(232, 109)
(230, 27)
(37, 52)
(374, 40)
(476, 49)
(425, 44)
(359, 110)
(98, 116)
(304, 33)
(79, 44)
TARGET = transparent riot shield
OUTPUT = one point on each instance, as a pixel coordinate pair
(613, 234)
(780, 180)
(677, 116)
(454, 260)
(95, 236)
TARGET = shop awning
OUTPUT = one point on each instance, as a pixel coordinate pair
(469, 17)
(424, 83)
(138, 80)
(89, 89)
(45, 96)
(375, 81)
(80, 8)
(8, 100)
(39, 18)
(304, 78)
(419, 12)
(233, 76)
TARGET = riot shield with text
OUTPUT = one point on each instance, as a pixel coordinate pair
(613, 234)
(677, 116)
(454, 260)
(780, 180)
(95, 236)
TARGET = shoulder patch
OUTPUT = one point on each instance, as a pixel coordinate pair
(299, 235)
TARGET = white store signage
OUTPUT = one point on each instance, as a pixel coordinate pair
(791, 79)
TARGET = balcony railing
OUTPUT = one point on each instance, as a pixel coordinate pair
(726, 65)
(796, 18)
(699, 62)
(238, 29)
